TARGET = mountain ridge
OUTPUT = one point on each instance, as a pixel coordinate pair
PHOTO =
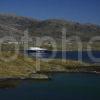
(51, 27)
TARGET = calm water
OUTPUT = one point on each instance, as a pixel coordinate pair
(70, 55)
(63, 86)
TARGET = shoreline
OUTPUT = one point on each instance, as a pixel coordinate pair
(54, 72)
(43, 75)
(35, 76)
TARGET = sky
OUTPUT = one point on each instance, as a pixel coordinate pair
(84, 11)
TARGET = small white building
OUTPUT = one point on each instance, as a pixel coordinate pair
(12, 42)
(37, 49)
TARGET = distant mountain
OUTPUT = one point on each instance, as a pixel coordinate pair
(15, 25)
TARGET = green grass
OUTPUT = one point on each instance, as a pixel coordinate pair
(25, 66)
(21, 66)
(61, 65)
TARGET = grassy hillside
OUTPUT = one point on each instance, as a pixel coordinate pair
(25, 66)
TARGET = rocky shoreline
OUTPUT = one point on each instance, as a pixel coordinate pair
(32, 77)
(43, 75)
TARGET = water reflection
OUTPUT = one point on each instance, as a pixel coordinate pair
(6, 84)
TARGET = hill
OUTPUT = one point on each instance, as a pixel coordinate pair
(15, 25)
